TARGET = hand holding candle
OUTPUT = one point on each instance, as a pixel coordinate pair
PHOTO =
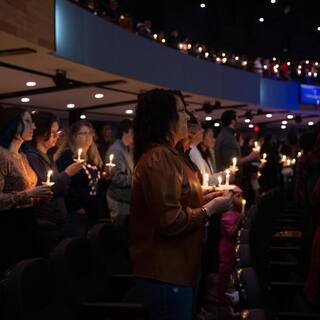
(227, 177)
(264, 159)
(205, 180)
(49, 182)
(79, 156)
(256, 147)
(243, 208)
(110, 165)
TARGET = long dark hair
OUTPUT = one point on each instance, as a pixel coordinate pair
(11, 124)
(43, 121)
(156, 116)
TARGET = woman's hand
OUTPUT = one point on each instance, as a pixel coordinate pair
(210, 196)
(42, 192)
(73, 169)
(219, 205)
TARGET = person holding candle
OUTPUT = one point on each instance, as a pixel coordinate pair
(227, 146)
(216, 302)
(19, 192)
(201, 150)
(119, 191)
(168, 215)
(50, 215)
(85, 203)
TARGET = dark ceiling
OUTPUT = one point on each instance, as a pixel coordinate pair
(288, 31)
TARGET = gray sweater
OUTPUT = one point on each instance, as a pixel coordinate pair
(120, 187)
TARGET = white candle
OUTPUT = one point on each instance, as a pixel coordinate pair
(111, 158)
(49, 174)
(234, 163)
(227, 176)
(110, 165)
(256, 147)
(79, 154)
(219, 180)
(243, 208)
(206, 180)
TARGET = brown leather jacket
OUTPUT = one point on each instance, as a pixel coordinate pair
(166, 238)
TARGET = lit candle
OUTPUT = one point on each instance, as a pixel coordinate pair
(110, 165)
(293, 162)
(243, 208)
(299, 154)
(227, 176)
(234, 163)
(49, 174)
(256, 146)
(264, 158)
(219, 180)
(206, 180)
(284, 158)
(79, 154)
(48, 182)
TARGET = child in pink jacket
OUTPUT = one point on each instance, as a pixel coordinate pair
(216, 300)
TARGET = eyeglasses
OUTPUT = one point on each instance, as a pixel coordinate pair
(55, 134)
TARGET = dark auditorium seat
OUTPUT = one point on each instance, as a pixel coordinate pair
(27, 291)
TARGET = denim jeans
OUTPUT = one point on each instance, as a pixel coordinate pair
(166, 301)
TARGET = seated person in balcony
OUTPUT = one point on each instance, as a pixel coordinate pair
(144, 29)
(227, 146)
(50, 216)
(84, 200)
(18, 191)
(119, 191)
(168, 214)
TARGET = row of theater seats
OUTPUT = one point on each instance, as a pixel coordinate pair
(268, 256)
(90, 278)
(78, 281)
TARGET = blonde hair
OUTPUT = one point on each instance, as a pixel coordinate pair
(69, 143)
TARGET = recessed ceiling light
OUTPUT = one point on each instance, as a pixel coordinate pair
(208, 118)
(247, 120)
(250, 125)
(217, 124)
(25, 99)
(70, 105)
(269, 115)
(290, 116)
(307, 61)
(273, 1)
(31, 84)
(129, 111)
(83, 116)
(310, 123)
(99, 95)
(202, 5)
(261, 19)
(283, 126)
(318, 28)
(274, 59)
(284, 122)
